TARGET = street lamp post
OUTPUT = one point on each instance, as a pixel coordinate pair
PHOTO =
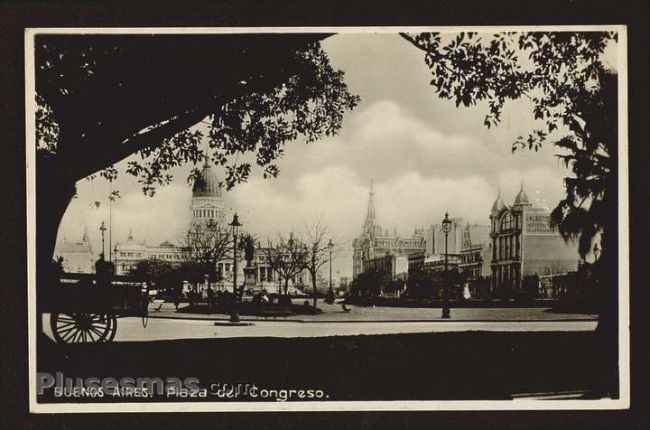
(103, 229)
(330, 245)
(110, 220)
(446, 228)
(234, 315)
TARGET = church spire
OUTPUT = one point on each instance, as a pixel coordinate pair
(370, 214)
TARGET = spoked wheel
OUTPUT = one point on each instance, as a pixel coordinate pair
(75, 328)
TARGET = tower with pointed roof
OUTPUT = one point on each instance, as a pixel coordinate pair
(376, 242)
(498, 203)
(522, 197)
(370, 226)
(207, 197)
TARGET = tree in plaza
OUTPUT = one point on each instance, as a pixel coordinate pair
(574, 99)
(318, 252)
(287, 258)
(164, 275)
(369, 284)
(418, 285)
(204, 245)
(104, 98)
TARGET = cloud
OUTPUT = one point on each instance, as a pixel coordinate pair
(163, 217)
(426, 157)
(412, 200)
(386, 139)
(541, 184)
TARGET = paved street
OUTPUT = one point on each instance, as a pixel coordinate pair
(335, 313)
(131, 329)
(167, 324)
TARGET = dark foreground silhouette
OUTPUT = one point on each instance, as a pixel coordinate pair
(471, 365)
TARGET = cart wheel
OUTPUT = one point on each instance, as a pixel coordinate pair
(83, 327)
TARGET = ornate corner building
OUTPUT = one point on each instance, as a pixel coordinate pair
(525, 244)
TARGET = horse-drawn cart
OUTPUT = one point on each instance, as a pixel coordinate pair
(84, 308)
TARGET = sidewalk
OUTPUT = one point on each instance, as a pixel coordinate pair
(334, 314)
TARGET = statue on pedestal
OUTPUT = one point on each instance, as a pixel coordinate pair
(250, 270)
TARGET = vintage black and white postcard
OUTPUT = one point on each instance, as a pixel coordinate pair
(347, 218)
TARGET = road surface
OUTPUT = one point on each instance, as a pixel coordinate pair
(131, 329)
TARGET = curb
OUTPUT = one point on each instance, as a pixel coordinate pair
(208, 319)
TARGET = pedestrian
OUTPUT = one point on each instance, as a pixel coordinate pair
(210, 297)
(177, 297)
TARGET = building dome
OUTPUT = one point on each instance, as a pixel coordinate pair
(130, 244)
(498, 204)
(522, 198)
(207, 184)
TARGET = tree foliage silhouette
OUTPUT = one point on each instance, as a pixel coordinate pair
(103, 98)
(573, 94)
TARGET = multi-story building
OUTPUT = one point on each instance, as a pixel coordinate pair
(524, 243)
(207, 205)
(207, 198)
(127, 254)
(375, 241)
(427, 277)
(344, 283)
(476, 252)
(76, 257)
(435, 238)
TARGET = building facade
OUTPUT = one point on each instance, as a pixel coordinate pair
(128, 253)
(525, 244)
(207, 198)
(435, 238)
(476, 252)
(76, 257)
(375, 241)
(207, 206)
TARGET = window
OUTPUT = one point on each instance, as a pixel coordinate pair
(518, 247)
(507, 222)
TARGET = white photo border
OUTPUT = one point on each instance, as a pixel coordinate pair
(411, 405)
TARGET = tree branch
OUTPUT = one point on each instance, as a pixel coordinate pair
(153, 137)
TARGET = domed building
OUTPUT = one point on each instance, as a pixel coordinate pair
(207, 198)
(207, 205)
(525, 244)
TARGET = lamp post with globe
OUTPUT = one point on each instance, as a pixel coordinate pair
(446, 311)
(330, 292)
(234, 315)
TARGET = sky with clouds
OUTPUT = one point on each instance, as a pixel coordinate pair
(425, 155)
